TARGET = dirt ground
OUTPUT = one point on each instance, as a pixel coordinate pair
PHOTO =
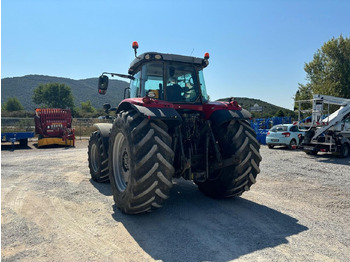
(299, 210)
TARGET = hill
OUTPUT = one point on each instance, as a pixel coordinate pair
(86, 89)
(268, 109)
(83, 90)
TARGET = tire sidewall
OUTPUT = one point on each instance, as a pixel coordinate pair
(94, 141)
(120, 197)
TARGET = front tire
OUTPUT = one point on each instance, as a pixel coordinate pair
(235, 138)
(140, 163)
(98, 159)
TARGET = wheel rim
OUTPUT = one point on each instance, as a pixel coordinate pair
(121, 170)
(94, 158)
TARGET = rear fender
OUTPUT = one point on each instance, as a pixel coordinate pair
(104, 129)
(218, 117)
(166, 114)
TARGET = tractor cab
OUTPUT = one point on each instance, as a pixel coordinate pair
(167, 77)
(173, 78)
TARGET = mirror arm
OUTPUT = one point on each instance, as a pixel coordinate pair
(120, 75)
(127, 88)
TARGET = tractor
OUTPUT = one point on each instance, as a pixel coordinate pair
(166, 128)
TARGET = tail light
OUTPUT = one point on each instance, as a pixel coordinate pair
(286, 134)
(268, 133)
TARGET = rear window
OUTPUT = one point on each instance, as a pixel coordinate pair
(279, 129)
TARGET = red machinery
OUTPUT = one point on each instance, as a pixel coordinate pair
(54, 127)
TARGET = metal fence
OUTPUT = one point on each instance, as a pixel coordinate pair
(83, 126)
(262, 125)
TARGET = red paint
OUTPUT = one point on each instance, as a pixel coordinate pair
(152, 103)
(207, 108)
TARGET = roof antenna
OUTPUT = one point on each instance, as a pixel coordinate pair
(192, 51)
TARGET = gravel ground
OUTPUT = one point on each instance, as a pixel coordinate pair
(52, 211)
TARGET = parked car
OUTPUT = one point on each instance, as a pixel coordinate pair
(284, 135)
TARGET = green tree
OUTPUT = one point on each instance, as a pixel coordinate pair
(12, 104)
(329, 71)
(53, 95)
(280, 113)
(87, 107)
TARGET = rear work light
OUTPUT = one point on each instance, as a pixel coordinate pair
(286, 134)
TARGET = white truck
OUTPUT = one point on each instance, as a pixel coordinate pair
(326, 131)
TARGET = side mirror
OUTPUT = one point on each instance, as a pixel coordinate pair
(106, 107)
(127, 92)
(102, 84)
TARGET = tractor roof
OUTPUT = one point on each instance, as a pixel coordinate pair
(154, 56)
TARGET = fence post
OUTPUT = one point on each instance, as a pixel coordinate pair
(80, 128)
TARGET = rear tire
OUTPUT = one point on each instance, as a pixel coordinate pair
(292, 143)
(140, 163)
(270, 146)
(98, 159)
(344, 150)
(235, 138)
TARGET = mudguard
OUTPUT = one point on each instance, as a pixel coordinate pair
(104, 129)
(166, 114)
(220, 116)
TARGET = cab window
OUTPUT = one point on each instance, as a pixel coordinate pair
(135, 86)
(181, 83)
(152, 80)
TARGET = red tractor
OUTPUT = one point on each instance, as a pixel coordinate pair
(167, 128)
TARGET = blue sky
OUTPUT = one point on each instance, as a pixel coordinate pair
(257, 48)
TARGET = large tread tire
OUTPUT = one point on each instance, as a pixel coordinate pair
(140, 162)
(235, 138)
(98, 159)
